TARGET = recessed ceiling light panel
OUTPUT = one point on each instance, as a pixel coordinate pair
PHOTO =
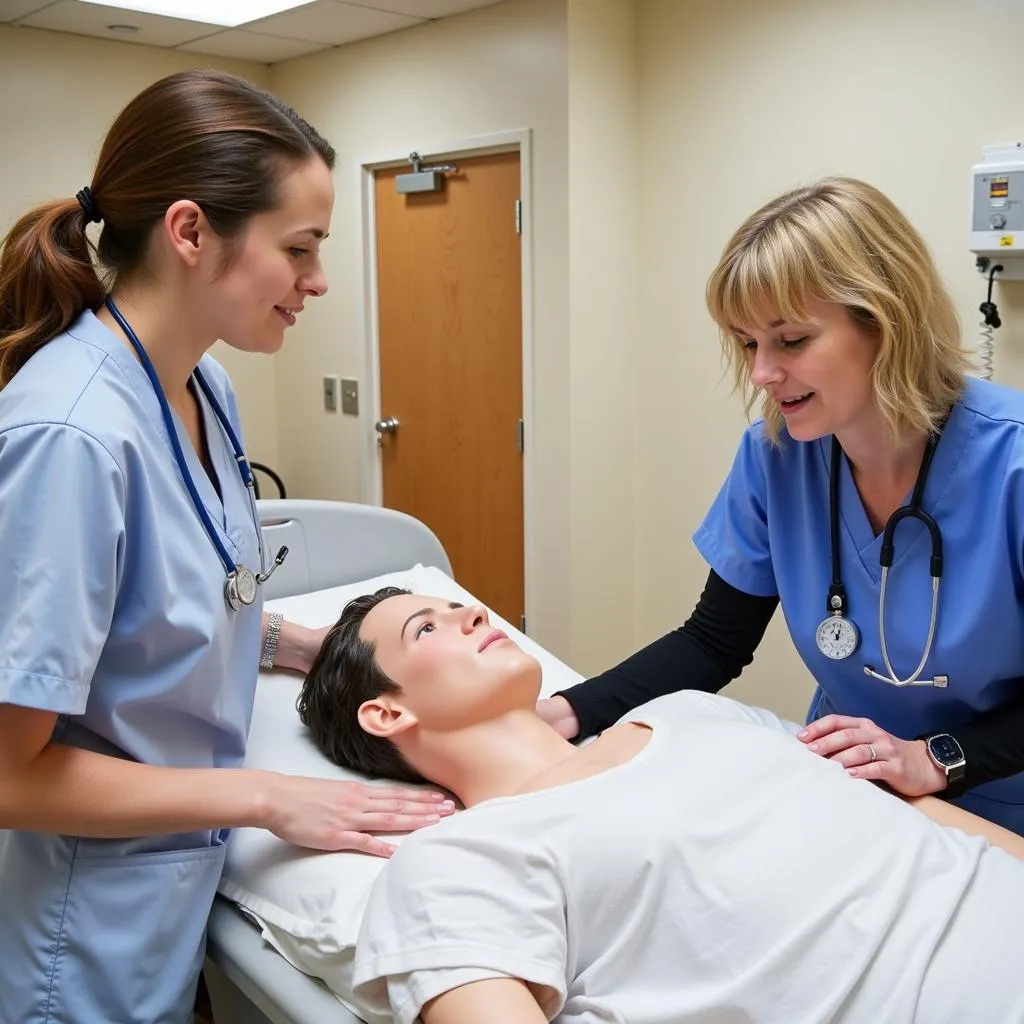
(213, 12)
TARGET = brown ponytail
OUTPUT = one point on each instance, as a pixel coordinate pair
(201, 135)
(46, 279)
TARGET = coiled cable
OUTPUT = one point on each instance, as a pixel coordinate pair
(987, 328)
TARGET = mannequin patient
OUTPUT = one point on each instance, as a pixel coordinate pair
(695, 862)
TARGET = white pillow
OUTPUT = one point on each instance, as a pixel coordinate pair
(310, 904)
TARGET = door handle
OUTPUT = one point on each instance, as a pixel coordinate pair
(388, 426)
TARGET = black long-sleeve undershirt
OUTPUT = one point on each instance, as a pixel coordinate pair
(718, 641)
(711, 648)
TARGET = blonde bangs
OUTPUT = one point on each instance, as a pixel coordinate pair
(764, 275)
(843, 241)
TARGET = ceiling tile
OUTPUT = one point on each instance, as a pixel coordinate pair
(11, 10)
(92, 20)
(427, 8)
(244, 45)
(328, 21)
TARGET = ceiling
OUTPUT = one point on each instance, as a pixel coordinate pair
(314, 26)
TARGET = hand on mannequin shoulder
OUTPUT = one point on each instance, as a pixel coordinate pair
(558, 713)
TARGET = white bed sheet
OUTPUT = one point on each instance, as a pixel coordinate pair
(309, 905)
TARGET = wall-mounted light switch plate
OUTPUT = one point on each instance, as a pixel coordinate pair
(331, 394)
(349, 396)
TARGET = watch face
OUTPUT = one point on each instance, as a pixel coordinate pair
(945, 749)
(837, 638)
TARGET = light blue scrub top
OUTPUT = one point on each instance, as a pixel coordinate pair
(767, 533)
(112, 614)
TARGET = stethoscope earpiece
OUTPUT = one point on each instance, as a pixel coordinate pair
(282, 554)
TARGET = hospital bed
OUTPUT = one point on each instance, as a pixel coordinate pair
(287, 917)
(329, 543)
(251, 983)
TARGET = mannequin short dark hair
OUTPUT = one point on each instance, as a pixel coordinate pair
(344, 675)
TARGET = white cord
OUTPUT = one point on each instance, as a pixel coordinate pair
(985, 357)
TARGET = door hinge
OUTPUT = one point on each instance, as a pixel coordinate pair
(522, 624)
(520, 436)
(519, 216)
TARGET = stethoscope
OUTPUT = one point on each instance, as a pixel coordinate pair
(837, 637)
(241, 583)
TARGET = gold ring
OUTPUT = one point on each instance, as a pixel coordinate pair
(871, 749)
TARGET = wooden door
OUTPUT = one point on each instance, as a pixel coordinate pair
(450, 335)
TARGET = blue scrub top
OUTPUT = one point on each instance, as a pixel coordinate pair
(768, 533)
(112, 615)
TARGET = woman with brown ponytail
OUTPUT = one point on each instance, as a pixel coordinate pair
(131, 625)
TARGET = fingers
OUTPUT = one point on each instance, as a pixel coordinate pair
(567, 728)
(421, 809)
(831, 723)
(559, 714)
(387, 821)
(392, 810)
(861, 754)
(363, 843)
(874, 771)
(406, 804)
(845, 739)
(398, 809)
(394, 795)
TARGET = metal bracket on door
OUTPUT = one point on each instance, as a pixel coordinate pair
(422, 179)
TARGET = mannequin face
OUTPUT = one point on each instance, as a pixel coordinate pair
(454, 668)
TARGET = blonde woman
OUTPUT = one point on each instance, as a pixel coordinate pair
(880, 500)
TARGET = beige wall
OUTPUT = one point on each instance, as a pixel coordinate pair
(58, 95)
(657, 126)
(739, 101)
(602, 327)
(495, 69)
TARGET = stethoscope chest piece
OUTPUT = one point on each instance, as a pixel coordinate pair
(240, 587)
(837, 637)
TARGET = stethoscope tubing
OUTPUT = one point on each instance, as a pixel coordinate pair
(179, 456)
(837, 595)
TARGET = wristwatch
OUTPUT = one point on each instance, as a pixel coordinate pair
(944, 750)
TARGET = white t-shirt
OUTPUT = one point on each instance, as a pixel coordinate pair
(724, 874)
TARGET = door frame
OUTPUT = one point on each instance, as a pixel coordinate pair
(513, 141)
